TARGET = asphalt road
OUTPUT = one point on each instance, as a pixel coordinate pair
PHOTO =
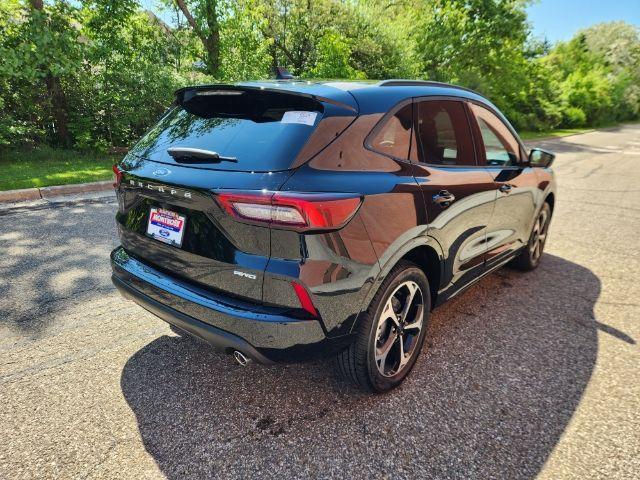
(524, 375)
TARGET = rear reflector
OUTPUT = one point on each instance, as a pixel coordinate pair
(117, 176)
(290, 210)
(305, 299)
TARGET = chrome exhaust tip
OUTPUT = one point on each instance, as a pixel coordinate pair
(241, 358)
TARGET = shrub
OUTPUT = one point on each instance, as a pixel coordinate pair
(574, 117)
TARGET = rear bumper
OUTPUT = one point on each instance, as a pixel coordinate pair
(216, 337)
(264, 334)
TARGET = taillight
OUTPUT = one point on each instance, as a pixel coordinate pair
(117, 176)
(290, 210)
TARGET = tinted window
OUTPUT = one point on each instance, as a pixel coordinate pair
(394, 136)
(500, 146)
(262, 130)
(443, 134)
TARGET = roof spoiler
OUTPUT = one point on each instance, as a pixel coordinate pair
(186, 94)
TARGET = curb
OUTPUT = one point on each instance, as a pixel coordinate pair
(25, 194)
(546, 139)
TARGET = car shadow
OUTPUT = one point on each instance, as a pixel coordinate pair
(503, 370)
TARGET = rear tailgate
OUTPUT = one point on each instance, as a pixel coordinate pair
(251, 140)
(216, 251)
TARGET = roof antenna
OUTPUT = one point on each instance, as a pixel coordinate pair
(282, 74)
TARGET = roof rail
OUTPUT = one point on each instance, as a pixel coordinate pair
(425, 83)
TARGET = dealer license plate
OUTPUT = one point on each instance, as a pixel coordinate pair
(166, 226)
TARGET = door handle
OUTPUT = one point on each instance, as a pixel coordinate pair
(505, 188)
(444, 198)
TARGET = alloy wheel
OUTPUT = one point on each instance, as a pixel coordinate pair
(539, 235)
(398, 329)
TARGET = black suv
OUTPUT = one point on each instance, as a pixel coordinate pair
(285, 220)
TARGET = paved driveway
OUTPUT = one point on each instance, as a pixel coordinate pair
(524, 375)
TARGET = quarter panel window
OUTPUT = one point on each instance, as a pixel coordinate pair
(395, 135)
(500, 146)
(443, 135)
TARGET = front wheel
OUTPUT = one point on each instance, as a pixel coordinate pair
(529, 258)
(391, 332)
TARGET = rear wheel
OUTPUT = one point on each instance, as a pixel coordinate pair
(529, 258)
(391, 333)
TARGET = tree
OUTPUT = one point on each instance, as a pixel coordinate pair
(206, 25)
(40, 51)
(243, 49)
(294, 28)
(127, 77)
(53, 30)
(618, 44)
(597, 79)
(333, 59)
(52, 82)
(97, 73)
(301, 35)
(469, 41)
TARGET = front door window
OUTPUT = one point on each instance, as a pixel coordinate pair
(500, 146)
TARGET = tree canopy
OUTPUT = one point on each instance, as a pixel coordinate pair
(97, 73)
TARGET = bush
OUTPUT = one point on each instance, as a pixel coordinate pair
(574, 117)
(333, 59)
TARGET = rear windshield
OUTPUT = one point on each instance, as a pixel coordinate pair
(259, 131)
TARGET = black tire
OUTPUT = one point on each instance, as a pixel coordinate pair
(530, 256)
(358, 363)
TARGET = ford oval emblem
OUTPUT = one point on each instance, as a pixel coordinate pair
(161, 172)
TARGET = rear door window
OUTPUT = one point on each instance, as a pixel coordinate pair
(443, 135)
(260, 131)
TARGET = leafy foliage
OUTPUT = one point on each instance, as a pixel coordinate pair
(333, 59)
(94, 74)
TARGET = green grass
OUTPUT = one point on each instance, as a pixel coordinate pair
(560, 132)
(43, 167)
(563, 132)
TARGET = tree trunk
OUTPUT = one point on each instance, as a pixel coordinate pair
(209, 36)
(213, 55)
(213, 39)
(55, 95)
(59, 109)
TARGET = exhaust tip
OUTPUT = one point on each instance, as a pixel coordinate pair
(241, 358)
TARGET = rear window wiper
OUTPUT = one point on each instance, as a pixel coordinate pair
(193, 155)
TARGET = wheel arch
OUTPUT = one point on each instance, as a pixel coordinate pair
(430, 263)
(426, 253)
(551, 200)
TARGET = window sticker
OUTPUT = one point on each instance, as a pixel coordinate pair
(302, 118)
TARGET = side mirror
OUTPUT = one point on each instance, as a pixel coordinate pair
(540, 158)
